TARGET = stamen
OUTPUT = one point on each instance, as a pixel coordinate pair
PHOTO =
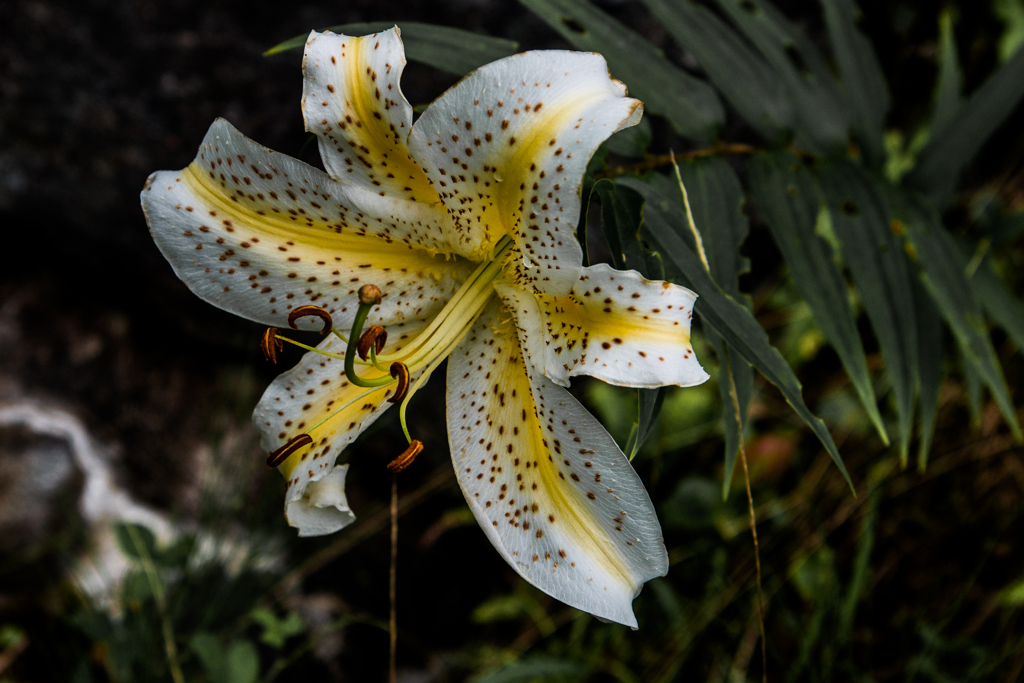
(400, 371)
(270, 344)
(316, 312)
(376, 337)
(369, 296)
(406, 458)
(282, 453)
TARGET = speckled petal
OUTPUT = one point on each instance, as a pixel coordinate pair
(311, 391)
(615, 325)
(352, 101)
(258, 233)
(323, 509)
(547, 483)
(506, 149)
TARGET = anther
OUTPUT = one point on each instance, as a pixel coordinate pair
(376, 337)
(406, 458)
(282, 453)
(400, 371)
(270, 344)
(316, 312)
(369, 295)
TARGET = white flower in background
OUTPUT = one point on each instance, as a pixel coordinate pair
(466, 223)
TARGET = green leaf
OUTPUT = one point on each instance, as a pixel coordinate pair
(691, 105)
(953, 146)
(874, 255)
(999, 302)
(930, 354)
(822, 117)
(749, 83)
(716, 202)
(621, 216)
(276, 631)
(949, 87)
(449, 49)
(128, 545)
(211, 654)
(243, 662)
(665, 227)
(863, 82)
(949, 288)
(533, 669)
(788, 199)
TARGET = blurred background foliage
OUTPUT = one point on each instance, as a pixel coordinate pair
(852, 220)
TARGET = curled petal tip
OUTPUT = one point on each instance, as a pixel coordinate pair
(370, 295)
(315, 311)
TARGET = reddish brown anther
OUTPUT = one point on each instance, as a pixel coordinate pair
(376, 337)
(369, 295)
(406, 458)
(315, 311)
(400, 371)
(282, 453)
(270, 344)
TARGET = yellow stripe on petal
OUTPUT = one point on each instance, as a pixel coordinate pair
(352, 101)
(614, 325)
(259, 233)
(506, 149)
(546, 482)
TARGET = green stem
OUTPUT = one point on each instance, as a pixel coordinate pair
(350, 352)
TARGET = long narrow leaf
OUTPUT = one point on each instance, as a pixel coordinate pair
(691, 105)
(450, 49)
(737, 70)
(948, 286)
(716, 201)
(823, 119)
(863, 82)
(999, 302)
(860, 220)
(948, 89)
(665, 227)
(953, 146)
(930, 351)
(788, 199)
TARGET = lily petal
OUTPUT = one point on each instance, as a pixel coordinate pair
(615, 325)
(300, 399)
(547, 483)
(352, 101)
(323, 509)
(258, 233)
(506, 148)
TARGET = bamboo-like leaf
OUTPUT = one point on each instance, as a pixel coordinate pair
(863, 82)
(716, 201)
(450, 49)
(930, 352)
(949, 288)
(749, 83)
(788, 199)
(948, 89)
(999, 302)
(822, 117)
(691, 105)
(874, 255)
(953, 146)
(540, 668)
(664, 227)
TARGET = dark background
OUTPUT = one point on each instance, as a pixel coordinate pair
(94, 96)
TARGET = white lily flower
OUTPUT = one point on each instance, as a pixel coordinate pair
(466, 223)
